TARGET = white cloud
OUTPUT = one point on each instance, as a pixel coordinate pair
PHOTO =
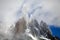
(50, 9)
(8, 9)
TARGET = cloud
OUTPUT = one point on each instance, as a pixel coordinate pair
(50, 9)
(46, 10)
(8, 9)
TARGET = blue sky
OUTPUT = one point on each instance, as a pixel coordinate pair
(55, 30)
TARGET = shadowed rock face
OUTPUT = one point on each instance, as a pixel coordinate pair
(39, 30)
(20, 25)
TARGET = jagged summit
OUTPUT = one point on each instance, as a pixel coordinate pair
(36, 30)
(39, 29)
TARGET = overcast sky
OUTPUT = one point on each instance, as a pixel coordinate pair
(49, 10)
